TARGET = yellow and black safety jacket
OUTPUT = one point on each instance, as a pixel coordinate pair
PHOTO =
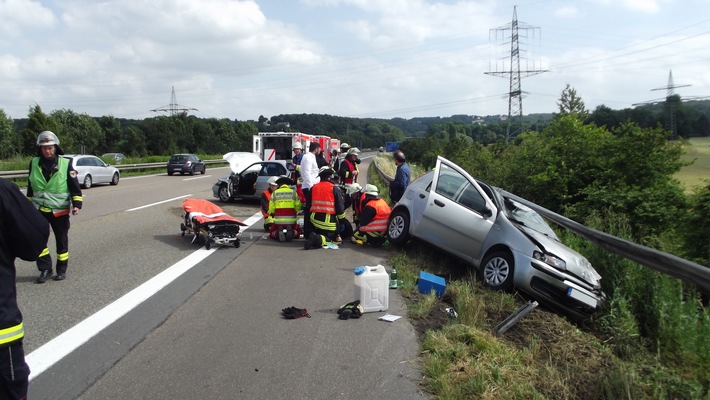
(23, 233)
(327, 206)
(284, 205)
(52, 185)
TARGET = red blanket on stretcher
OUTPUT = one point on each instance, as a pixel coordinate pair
(204, 211)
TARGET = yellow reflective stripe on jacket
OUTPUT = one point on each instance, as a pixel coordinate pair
(11, 334)
(63, 256)
(330, 224)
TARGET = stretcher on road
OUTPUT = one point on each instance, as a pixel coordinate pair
(209, 223)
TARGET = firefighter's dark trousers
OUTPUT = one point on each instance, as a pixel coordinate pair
(60, 227)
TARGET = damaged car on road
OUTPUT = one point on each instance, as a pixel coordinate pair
(510, 244)
(249, 176)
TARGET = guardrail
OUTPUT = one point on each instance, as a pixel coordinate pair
(663, 262)
(22, 174)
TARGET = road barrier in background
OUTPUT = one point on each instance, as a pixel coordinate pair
(22, 174)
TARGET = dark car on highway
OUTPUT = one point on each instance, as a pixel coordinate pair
(510, 244)
(186, 164)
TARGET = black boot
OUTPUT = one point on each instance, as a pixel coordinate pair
(44, 275)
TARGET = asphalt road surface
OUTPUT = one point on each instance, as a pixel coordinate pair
(145, 313)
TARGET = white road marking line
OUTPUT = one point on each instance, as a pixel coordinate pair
(53, 351)
(197, 177)
(160, 202)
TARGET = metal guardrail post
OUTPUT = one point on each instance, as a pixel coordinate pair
(515, 317)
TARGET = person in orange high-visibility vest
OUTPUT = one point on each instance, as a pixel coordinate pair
(265, 200)
(373, 218)
(326, 212)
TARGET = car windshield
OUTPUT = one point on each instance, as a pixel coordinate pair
(525, 216)
(178, 158)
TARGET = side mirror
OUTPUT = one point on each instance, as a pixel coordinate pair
(487, 212)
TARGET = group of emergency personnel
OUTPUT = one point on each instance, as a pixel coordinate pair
(326, 195)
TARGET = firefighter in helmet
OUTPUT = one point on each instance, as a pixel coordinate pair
(54, 189)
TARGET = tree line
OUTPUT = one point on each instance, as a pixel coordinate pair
(163, 135)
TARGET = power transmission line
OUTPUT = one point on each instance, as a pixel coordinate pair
(174, 108)
(514, 73)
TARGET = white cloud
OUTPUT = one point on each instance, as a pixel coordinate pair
(20, 15)
(567, 12)
(240, 59)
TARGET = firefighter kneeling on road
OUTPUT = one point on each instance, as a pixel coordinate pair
(327, 211)
(265, 200)
(373, 218)
(283, 209)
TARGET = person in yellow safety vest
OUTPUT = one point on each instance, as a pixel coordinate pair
(23, 233)
(265, 200)
(283, 209)
(326, 212)
(373, 218)
(53, 187)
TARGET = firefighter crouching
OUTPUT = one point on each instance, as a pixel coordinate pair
(283, 210)
(326, 212)
(264, 201)
(372, 219)
(54, 189)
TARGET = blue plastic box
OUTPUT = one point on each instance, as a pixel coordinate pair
(428, 282)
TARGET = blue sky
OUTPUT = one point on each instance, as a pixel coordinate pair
(358, 58)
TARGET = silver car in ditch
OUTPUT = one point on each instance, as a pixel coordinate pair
(510, 244)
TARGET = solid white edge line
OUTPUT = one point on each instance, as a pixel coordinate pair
(53, 351)
(160, 202)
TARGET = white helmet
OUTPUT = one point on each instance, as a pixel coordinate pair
(298, 145)
(47, 138)
(344, 147)
(272, 180)
(325, 170)
(372, 190)
(354, 150)
(352, 188)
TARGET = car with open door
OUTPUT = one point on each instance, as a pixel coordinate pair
(510, 244)
(249, 176)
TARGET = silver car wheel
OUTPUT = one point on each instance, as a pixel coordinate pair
(498, 271)
(224, 194)
(87, 181)
(398, 228)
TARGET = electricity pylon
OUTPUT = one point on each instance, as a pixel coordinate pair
(669, 105)
(173, 108)
(515, 74)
